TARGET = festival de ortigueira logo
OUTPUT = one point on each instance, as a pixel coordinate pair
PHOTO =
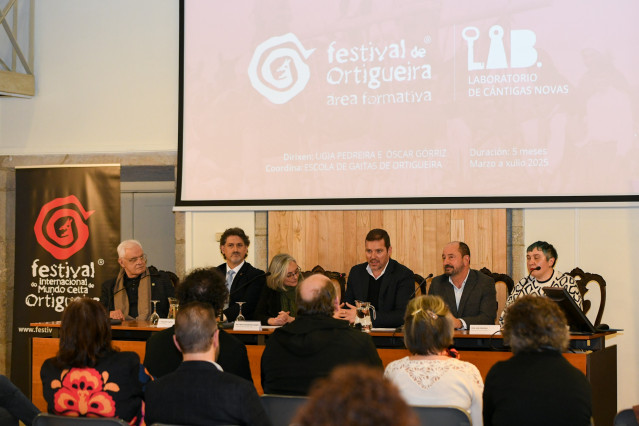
(277, 70)
(61, 227)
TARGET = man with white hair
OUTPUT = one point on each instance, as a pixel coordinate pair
(129, 295)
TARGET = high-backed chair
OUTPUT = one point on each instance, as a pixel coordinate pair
(282, 408)
(336, 277)
(46, 419)
(442, 415)
(503, 286)
(627, 417)
(583, 279)
(422, 284)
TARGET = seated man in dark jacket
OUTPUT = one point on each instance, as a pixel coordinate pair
(204, 285)
(312, 345)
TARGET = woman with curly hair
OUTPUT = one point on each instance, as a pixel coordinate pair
(537, 386)
(89, 377)
(355, 395)
(277, 304)
(430, 375)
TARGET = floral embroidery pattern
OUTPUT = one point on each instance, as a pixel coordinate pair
(82, 393)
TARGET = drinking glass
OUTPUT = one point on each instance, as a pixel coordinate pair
(154, 318)
(240, 317)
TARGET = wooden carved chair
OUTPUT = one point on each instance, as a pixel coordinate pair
(583, 279)
(338, 278)
(503, 286)
(422, 284)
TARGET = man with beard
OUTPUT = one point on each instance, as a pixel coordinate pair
(245, 282)
(469, 294)
(382, 281)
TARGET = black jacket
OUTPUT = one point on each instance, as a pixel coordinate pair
(162, 357)
(396, 288)
(309, 348)
(161, 289)
(247, 287)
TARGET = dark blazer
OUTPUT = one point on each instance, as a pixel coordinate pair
(161, 289)
(300, 352)
(478, 304)
(162, 357)
(269, 306)
(197, 393)
(397, 286)
(243, 292)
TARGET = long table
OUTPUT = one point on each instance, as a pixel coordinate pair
(588, 353)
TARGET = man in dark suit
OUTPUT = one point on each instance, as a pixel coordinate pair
(199, 392)
(245, 283)
(204, 285)
(310, 347)
(382, 281)
(469, 294)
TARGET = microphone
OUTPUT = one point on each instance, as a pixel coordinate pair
(419, 286)
(531, 271)
(264, 275)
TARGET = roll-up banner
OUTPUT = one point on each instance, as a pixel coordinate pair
(67, 231)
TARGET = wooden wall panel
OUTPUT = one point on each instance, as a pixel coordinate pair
(335, 239)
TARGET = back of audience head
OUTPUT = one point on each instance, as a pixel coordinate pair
(85, 333)
(316, 295)
(534, 323)
(204, 285)
(428, 326)
(195, 327)
(355, 395)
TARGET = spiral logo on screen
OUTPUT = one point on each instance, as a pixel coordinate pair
(277, 70)
(61, 227)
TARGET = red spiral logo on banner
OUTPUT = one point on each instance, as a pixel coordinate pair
(61, 227)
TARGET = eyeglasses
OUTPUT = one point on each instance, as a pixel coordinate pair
(294, 274)
(135, 259)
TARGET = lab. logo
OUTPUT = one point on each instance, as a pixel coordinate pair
(522, 49)
(61, 227)
(277, 70)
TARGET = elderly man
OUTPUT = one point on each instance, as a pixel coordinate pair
(205, 285)
(312, 345)
(245, 282)
(469, 294)
(382, 281)
(199, 392)
(129, 295)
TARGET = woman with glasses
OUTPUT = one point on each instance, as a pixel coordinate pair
(277, 302)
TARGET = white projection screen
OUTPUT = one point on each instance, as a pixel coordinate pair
(334, 102)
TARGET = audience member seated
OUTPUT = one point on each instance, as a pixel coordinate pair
(16, 403)
(244, 281)
(537, 386)
(541, 258)
(199, 392)
(469, 294)
(129, 295)
(277, 301)
(430, 376)
(204, 285)
(89, 377)
(311, 346)
(355, 396)
(383, 282)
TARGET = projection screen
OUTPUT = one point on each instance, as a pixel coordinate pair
(380, 102)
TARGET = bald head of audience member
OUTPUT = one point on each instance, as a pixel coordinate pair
(196, 333)
(316, 295)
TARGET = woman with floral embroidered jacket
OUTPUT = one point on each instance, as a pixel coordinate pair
(89, 377)
(432, 375)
